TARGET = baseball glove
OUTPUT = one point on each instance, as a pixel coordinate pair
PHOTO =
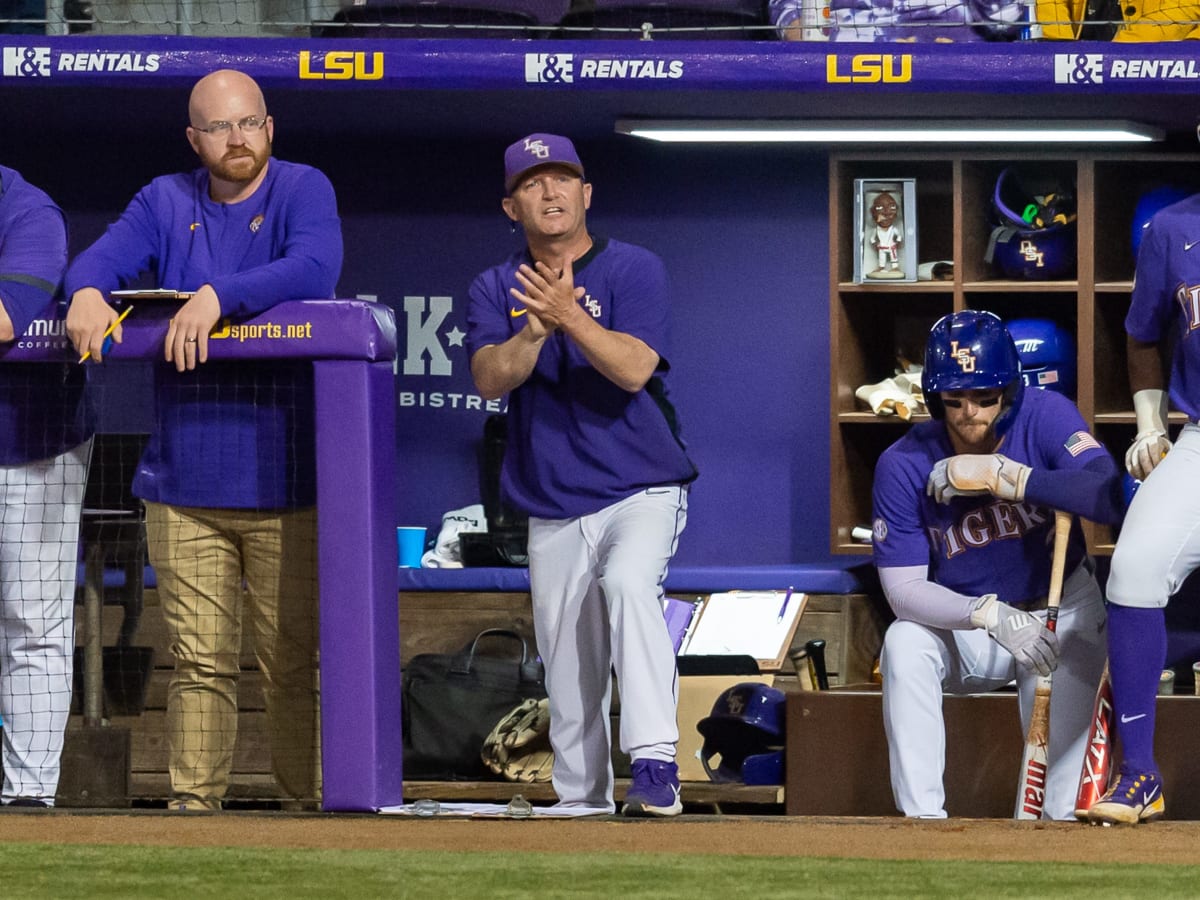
(519, 746)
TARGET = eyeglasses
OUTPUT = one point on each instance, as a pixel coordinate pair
(248, 125)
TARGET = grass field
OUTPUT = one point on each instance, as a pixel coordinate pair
(70, 871)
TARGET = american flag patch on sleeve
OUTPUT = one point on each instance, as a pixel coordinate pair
(1080, 441)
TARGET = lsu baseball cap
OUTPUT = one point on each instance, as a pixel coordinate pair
(538, 150)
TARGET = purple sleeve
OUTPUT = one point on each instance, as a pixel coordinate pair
(487, 322)
(311, 260)
(33, 254)
(1150, 308)
(1093, 492)
(1072, 471)
(898, 535)
(641, 302)
(125, 250)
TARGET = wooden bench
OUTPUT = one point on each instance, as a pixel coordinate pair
(837, 755)
(442, 621)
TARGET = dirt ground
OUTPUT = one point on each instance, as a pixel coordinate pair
(879, 838)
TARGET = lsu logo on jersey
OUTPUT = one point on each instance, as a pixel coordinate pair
(870, 68)
(341, 65)
(963, 356)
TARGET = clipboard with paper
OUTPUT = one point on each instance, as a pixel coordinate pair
(760, 624)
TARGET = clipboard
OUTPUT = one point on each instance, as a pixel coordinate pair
(748, 622)
(151, 294)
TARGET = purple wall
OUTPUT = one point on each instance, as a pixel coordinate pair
(743, 235)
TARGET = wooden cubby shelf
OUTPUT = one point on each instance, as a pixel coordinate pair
(871, 325)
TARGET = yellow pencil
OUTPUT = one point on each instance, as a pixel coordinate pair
(111, 328)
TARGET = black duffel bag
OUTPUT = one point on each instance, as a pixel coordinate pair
(451, 702)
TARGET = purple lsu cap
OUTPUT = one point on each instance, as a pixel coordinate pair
(538, 150)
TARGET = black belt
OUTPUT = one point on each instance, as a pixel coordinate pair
(1040, 603)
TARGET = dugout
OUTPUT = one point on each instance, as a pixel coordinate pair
(415, 158)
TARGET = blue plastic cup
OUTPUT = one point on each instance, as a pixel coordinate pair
(410, 542)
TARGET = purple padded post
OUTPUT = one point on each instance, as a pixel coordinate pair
(360, 622)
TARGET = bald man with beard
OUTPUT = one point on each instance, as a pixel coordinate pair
(228, 476)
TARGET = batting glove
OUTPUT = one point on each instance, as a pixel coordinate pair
(887, 398)
(971, 474)
(1146, 452)
(1150, 405)
(1032, 644)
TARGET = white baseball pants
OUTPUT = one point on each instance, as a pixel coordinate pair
(597, 605)
(920, 663)
(41, 504)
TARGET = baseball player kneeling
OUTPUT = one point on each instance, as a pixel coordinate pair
(963, 527)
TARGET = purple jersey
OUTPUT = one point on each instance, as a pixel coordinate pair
(42, 412)
(577, 442)
(227, 435)
(980, 545)
(1166, 288)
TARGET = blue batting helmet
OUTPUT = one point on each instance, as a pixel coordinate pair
(1148, 204)
(1047, 354)
(972, 350)
(1034, 227)
(745, 729)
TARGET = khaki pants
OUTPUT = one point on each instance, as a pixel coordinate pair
(201, 558)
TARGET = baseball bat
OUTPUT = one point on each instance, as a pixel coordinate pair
(1097, 759)
(1031, 789)
(816, 657)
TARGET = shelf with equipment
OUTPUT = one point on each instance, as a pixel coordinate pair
(874, 327)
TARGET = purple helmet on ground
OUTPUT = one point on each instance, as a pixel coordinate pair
(745, 729)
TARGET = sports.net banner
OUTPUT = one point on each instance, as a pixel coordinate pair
(298, 329)
(414, 64)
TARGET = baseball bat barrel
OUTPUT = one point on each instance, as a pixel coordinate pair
(816, 656)
(1035, 765)
(1097, 758)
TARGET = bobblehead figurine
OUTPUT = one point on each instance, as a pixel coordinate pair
(885, 237)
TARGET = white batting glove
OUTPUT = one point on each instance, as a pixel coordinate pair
(973, 474)
(1151, 443)
(1146, 452)
(1032, 644)
(887, 399)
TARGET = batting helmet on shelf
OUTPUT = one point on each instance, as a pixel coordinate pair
(1047, 354)
(1148, 204)
(745, 729)
(972, 350)
(1033, 235)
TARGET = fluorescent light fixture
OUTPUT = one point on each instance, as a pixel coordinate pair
(895, 131)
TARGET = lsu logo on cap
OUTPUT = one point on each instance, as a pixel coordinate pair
(964, 356)
(537, 148)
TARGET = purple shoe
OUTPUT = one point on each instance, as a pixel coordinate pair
(654, 791)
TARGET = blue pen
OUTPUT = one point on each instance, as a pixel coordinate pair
(108, 341)
(783, 609)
